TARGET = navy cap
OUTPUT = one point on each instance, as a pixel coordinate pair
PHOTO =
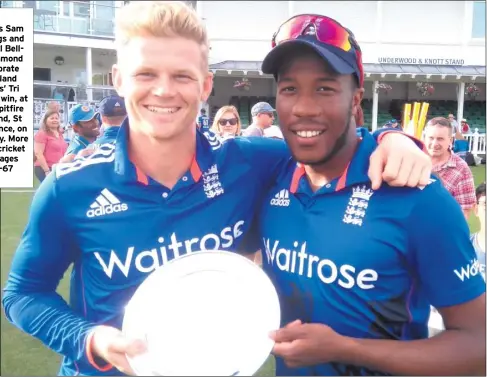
(342, 62)
(261, 108)
(81, 113)
(112, 106)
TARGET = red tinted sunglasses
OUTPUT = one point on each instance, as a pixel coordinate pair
(324, 29)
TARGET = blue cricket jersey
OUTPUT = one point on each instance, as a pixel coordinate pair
(109, 136)
(77, 144)
(367, 263)
(116, 225)
(204, 122)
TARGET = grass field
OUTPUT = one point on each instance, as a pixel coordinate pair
(22, 355)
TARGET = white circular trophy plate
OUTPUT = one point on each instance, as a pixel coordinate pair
(208, 313)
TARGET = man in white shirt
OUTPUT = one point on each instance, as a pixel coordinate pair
(262, 118)
(273, 132)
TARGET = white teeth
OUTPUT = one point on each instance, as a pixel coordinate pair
(162, 110)
(308, 134)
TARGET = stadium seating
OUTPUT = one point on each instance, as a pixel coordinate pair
(474, 111)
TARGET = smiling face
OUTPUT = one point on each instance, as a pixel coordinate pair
(163, 80)
(52, 121)
(89, 129)
(315, 108)
(438, 140)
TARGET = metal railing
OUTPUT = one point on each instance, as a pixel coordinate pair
(70, 92)
(71, 17)
(40, 107)
(476, 142)
(67, 96)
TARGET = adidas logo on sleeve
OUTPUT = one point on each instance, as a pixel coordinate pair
(281, 199)
(105, 204)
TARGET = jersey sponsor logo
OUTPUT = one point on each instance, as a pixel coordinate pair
(470, 270)
(105, 204)
(304, 264)
(281, 199)
(148, 260)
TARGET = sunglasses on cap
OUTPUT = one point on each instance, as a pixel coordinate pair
(231, 122)
(324, 29)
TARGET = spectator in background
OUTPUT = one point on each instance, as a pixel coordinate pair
(227, 122)
(453, 122)
(85, 126)
(452, 170)
(460, 148)
(112, 113)
(49, 144)
(54, 106)
(203, 121)
(262, 118)
(478, 239)
(393, 123)
(465, 128)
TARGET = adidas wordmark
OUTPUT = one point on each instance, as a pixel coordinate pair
(281, 199)
(105, 204)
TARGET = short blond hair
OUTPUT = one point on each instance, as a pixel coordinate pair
(167, 19)
(226, 109)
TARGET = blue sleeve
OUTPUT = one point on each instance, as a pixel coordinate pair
(455, 146)
(378, 134)
(267, 156)
(44, 254)
(443, 255)
(73, 148)
(252, 240)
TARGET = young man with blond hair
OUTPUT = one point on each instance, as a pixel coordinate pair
(137, 201)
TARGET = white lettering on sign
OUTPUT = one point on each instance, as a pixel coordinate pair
(421, 61)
